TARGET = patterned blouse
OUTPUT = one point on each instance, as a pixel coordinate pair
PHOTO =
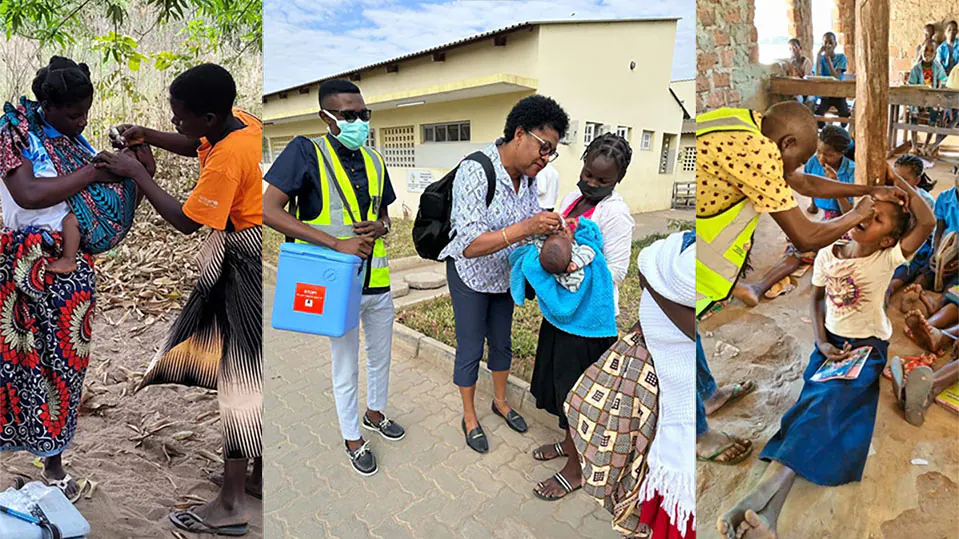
(470, 218)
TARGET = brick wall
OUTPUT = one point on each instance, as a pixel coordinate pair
(727, 56)
(844, 26)
(905, 31)
(799, 16)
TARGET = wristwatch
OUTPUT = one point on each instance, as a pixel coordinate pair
(386, 225)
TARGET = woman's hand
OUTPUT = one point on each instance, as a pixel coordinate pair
(122, 164)
(832, 353)
(144, 154)
(544, 222)
(891, 194)
(128, 135)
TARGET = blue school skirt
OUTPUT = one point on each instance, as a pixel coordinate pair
(825, 436)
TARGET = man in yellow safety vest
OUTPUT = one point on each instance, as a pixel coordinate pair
(748, 164)
(342, 190)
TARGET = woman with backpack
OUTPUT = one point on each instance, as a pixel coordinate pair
(477, 266)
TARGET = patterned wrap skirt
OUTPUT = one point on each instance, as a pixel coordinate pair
(46, 323)
(216, 341)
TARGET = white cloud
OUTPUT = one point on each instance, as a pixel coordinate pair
(305, 40)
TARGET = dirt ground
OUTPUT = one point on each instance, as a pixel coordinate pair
(138, 484)
(895, 498)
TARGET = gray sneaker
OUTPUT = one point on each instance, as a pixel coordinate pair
(362, 459)
(387, 428)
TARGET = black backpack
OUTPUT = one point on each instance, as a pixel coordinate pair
(432, 228)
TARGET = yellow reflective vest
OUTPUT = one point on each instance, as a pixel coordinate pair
(340, 205)
(723, 240)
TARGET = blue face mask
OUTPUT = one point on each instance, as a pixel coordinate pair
(352, 134)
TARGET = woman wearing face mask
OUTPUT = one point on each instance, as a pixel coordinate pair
(561, 358)
(477, 258)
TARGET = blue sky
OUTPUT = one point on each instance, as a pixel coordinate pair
(306, 40)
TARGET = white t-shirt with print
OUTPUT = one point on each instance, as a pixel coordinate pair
(856, 291)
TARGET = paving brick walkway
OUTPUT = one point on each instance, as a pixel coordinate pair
(429, 484)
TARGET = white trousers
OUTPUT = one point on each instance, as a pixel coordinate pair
(376, 317)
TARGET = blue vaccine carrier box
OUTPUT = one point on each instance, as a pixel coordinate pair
(318, 290)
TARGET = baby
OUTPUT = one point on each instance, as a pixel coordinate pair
(70, 226)
(561, 256)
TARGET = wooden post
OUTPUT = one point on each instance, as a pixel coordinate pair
(872, 89)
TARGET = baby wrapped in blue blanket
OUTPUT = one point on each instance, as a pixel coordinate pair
(572, 282)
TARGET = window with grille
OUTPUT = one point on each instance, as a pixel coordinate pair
(647, 142)
(623, 131)
(590, 132)
(371, 138)
(446, 132)
(689, 159)
(397, 147)
(277, 144)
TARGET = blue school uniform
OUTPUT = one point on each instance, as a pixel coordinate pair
(945, 208)
(846, 173)
(838, 63)
(948, 55)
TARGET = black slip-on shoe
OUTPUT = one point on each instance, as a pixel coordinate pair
(362, 459)
(387, 428)
(513, 419)
(476, 439)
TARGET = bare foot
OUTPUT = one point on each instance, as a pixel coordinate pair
(62, 265)
(912, 300)
(730, 525)
(924, 334)
(754, 526)
(747, 294)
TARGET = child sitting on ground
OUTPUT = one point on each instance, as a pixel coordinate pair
(935, 325)
(920, 270)
(561, 256)
(825, 436)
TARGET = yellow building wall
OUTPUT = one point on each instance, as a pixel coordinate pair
(471, 61)
(585, 67)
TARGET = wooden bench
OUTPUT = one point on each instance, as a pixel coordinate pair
(684, 194)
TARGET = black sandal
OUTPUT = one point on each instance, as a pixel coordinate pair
(476, 439)
(562, 482)
(513, 419)
(539, 455)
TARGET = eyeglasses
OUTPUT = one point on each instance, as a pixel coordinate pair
(546, 148)
(353, 115)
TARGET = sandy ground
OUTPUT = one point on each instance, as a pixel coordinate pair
(895, 498)
(138, 483)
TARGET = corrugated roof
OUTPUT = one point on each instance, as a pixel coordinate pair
(464, 41)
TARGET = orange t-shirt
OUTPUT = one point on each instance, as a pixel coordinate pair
(230, 184)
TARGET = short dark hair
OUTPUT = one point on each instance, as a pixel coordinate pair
(553, 258)
(612, 146)
(952, 23)
(929, 25)
(536, 112)
(836, 138)
(206, 88)
(336, 86)
(827, 34)
(62, 82)
(794, 41)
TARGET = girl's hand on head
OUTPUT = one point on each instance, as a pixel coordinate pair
(893, 194)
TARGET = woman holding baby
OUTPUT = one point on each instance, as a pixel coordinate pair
(477, 268)
(567, 347)
(58, 211)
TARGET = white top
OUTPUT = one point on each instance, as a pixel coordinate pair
(547, 186)
(50, 218)
(616, 224)
(856, 291)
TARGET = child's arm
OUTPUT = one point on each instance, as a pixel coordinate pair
(131, 135)
(925, 220)
(819, 327)
(127, 166)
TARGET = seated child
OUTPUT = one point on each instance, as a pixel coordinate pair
(919, 270)
(934, 325)
(825, 436)
(70, 226)
(561, 256)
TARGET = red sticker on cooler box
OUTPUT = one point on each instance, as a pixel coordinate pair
(309, 298)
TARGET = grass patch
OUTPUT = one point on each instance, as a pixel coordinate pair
(435, 317)
(399, 242)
